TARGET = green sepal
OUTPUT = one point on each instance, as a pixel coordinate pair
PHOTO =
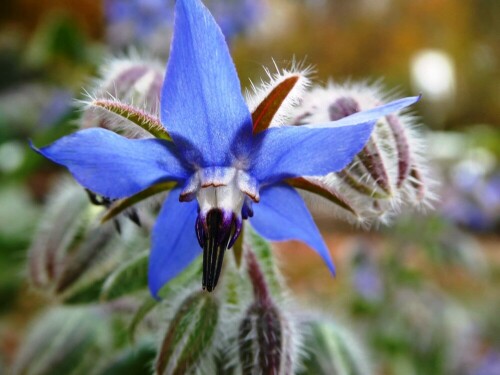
(321, 189)
(121, 205)
(140, 118)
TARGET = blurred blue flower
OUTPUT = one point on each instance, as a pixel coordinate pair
(490, 365)
(58, 106)
(473, 199)
(138, 20)
(135, 21)
(220, 163)
(366, 277)
(235, 17)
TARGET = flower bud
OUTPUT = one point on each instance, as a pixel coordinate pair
(265, 338)
(389, 172)
(264, 341)
(70, 250)
(63, 340)
(125, 82)
(190, 334)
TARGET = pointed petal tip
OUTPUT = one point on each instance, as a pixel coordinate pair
(154, 289)
(282, 215)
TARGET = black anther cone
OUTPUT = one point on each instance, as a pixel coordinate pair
(214, 235)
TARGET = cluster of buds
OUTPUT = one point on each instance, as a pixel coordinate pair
(389, 173)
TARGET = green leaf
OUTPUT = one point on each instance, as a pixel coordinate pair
(331, 349)
(131, 277)
(86, 293)
(191, 273)
(147, 306)
(238, 247)
(189, 335)
(135, 360)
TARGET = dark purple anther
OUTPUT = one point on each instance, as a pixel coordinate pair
(216, 231)
(247, 210)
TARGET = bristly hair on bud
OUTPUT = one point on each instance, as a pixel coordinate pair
(293, 82)
(267, 338)
(125, 97)
(391, 171)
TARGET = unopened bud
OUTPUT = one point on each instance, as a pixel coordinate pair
(388, 172)
(263, 342)
(128, 88)
(265, 338)
(190, 334)
(64, 339)
(70, 250)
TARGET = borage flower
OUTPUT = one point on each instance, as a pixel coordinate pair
(227, 164)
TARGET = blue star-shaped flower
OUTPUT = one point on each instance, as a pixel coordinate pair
(225, 170)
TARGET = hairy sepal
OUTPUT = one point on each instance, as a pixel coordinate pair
(136, 116)
(272, 101)
(122, 204)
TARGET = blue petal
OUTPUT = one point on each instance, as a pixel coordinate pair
(115, 166)
(201, 102)
(174, 244)
(371, 114)
(282, 215)
(294, 151)
(315, 150)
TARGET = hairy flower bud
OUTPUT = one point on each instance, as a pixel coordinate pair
(123, 83)
(265, 338)
(66, 341)
(190, 334)
(389, 172)
(70, 250)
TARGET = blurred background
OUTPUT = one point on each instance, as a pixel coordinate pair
(421, 294)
